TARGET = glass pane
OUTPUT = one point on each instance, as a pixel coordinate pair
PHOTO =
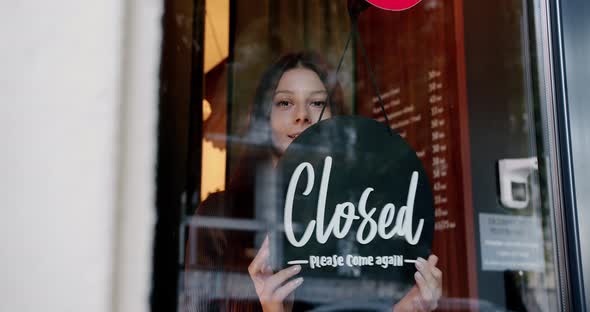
(463, 85)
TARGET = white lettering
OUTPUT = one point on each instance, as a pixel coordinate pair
(407, 223)
(368, 228)
(321, 235)
(366, 219)
(289, 205)
(323, 261)
(385, 220)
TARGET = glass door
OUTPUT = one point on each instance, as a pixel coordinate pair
(467, 86)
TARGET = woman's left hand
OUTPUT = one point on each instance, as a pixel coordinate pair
(425, 294)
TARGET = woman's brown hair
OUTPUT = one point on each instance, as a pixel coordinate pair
(256, 147)
(225, 250)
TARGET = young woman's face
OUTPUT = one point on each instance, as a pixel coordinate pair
(297, 103)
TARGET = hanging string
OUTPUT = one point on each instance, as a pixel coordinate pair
(371, 74)
(336, 77)
(354, 32)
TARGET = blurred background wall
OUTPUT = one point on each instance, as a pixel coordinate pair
(78, 116)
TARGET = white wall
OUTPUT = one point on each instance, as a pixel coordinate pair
(77, 134)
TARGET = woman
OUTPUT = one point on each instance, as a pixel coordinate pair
(290, 98)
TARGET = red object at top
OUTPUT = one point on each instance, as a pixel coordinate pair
(394, 5)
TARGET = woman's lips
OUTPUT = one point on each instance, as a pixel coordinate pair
(294, 135)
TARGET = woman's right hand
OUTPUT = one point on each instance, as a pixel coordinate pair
(272, 289)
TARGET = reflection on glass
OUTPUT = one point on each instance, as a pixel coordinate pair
(460, 82)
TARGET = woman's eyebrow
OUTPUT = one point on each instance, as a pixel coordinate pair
(291, 92)
(283, 91)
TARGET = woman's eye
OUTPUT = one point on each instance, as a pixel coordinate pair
(282, 103)
(318, 103)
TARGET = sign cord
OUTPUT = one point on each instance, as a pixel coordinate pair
(354, 31)
(336, 76)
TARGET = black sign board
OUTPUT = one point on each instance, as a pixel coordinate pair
(356, 202)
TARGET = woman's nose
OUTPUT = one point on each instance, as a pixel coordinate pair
(302, 114)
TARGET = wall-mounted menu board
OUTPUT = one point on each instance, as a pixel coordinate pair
(418, 61)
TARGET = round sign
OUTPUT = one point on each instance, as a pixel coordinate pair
(356, 202)
(394, 5)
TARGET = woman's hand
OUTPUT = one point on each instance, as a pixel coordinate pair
(425, 294)
(272, 288)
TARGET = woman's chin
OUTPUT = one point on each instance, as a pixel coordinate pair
(285, 144)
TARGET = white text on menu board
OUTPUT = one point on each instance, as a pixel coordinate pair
(368, 228)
